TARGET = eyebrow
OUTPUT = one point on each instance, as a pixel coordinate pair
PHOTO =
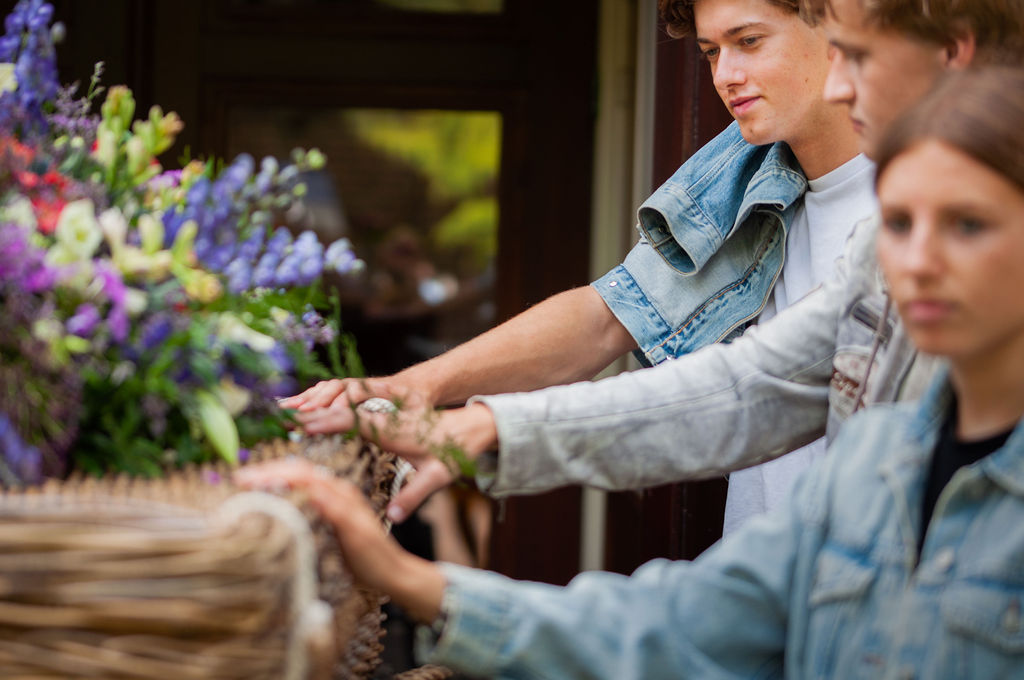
(734, 30)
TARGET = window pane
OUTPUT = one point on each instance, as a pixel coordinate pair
(416, 192)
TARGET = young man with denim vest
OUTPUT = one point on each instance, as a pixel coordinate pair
(785, 382)
(750, 220)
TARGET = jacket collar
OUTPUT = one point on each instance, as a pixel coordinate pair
(1005, 466)
(715, 191)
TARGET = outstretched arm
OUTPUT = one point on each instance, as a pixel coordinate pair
(731, 613)
(540, 347)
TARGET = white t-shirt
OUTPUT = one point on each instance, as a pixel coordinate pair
(833, 204)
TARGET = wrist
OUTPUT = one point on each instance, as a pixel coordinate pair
(421, 379)
(419, 588)
(474, 429)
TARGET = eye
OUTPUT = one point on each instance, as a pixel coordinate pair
(849, 54)
(750, 40)
(967, 225)
(710, 53)
(897, 223)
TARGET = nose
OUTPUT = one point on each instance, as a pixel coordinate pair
(922, 252)
(728, 71)
(839, 87)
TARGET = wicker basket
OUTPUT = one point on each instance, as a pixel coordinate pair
(185, 577)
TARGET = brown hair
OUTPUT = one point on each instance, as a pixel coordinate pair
(997, 25)
(678, 14)
(977, 112)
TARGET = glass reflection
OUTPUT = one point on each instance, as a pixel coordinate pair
(416, 192)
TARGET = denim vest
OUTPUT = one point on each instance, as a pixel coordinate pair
(712, 245)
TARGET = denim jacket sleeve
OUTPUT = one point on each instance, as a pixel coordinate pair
(722, 616)
(722, 408)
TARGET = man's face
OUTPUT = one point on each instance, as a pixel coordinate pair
(768, 66)
(877, 73)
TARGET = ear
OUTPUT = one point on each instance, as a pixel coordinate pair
(961, 49)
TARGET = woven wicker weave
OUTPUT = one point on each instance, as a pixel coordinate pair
(425, 673)
(152, 578)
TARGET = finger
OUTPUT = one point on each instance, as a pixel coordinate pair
(358, 391)
(326, 420)
(303, 397)
(428, 479)
(322, 394)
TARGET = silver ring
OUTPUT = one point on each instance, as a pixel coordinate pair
(377, 405)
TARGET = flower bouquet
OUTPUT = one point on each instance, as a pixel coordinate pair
(151, 316)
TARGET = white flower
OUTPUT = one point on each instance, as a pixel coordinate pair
(135, 301)
(78, 232)
(151, 230)
(19, 211)
(231, 329)
(115, 228)
(234, 397)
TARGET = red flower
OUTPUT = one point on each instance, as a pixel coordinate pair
(29, 180)
(16, 149)
(55, 179)
(47, 213)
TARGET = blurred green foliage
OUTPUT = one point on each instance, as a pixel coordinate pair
(459, 151)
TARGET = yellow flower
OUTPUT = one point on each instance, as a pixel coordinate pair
(203, 286)
(8, 81)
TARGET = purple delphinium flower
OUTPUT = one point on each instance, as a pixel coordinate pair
(311, 257)
(155, 332)
(28, 44)
(22, 265)
(84, 322)
(287, 273)
(280, 242)
(249, 249)
(114, 289)
(339, 256)
(239, 273)
(263, 274)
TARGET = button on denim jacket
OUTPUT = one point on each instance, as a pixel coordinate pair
(827, 586)
(712, 245)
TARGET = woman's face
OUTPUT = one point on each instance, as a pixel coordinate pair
(768, 66)
(951, 247)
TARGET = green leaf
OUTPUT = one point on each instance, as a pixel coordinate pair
(218, 426)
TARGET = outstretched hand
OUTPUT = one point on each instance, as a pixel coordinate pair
(338, 391)
(374, 558)
(436, 443)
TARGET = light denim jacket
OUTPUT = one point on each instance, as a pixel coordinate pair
(826, 587)
(712, 245)
(726, 407)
